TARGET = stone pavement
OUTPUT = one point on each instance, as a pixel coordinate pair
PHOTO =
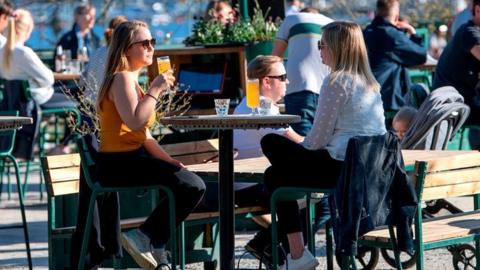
(13, 254)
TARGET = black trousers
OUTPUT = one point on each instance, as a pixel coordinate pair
(138, 168)
(295, 166)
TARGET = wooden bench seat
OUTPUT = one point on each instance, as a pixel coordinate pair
(437, 229)
(441, 177)
(62, 177)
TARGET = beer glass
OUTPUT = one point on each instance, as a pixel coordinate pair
(163, 64)
(253, 95)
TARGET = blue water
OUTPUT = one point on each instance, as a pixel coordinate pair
(163, 16)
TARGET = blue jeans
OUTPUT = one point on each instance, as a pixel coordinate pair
(304, 104)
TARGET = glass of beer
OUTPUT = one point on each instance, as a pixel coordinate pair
(253, 95)
(163, 64)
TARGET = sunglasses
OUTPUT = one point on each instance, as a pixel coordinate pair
(145, 43)
(282, 77)
(321, 45)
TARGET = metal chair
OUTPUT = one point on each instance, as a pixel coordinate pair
(97, 189)
(7, 143)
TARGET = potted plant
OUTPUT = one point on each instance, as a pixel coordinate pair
(257, 35)
(265, 32)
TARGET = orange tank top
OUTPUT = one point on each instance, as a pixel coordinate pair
(115, 135)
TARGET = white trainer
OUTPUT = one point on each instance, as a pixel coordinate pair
(306, 262)
(137, 244)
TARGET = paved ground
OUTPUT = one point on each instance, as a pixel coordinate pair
(13, 255)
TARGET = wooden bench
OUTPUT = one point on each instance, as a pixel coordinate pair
(441, 178)
(62, 173)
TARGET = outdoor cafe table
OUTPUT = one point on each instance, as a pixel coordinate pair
(253, 168)
(14, 122)
(225, 167)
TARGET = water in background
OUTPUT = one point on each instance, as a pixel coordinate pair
(170, 20)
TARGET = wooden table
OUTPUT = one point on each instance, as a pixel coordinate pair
(225, 166)
(14, 122)
(253, 168)
(66, 76)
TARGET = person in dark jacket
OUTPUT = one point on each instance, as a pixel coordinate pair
(81, 34)
(459, 66)
(391, 52)
(373, 164)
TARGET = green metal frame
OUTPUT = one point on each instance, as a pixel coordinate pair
(292, 194)
(59, 207)
(25, 89)
(420, 247)
(7, 155)
(41, 139)
(97, 189)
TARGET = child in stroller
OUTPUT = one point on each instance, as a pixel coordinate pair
(435, 123)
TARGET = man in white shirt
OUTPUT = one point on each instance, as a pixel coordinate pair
(300, 33)
(273, 82)
(6, 11)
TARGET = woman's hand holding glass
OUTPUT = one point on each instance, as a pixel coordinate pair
(162, 82)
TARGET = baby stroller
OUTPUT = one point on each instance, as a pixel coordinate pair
(438, 119)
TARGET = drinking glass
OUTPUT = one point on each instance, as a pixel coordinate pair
(163, 64)
(221, 106)
(265, 106)
(253, 95)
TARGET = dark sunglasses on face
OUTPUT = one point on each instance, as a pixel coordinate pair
(146, 43)
(282, 77)
(321, 45)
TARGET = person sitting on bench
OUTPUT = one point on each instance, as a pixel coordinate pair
(128, 154)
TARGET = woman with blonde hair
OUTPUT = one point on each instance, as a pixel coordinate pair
(21, 63)
(128, 154)
(349, 105)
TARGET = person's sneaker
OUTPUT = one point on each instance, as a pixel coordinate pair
(137, 244)
(306, 262)
(161, 257)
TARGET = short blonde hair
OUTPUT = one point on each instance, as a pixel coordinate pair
(261, 66)
(345, 43)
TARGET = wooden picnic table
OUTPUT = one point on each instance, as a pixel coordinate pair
(254, 167)
(225, 166)
(14, 122)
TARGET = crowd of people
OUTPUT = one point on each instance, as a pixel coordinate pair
(338, 78)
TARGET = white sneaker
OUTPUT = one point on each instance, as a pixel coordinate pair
(161, 257)
(138, 246)
(306, 262)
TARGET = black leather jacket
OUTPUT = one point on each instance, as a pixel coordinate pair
(373, 190)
